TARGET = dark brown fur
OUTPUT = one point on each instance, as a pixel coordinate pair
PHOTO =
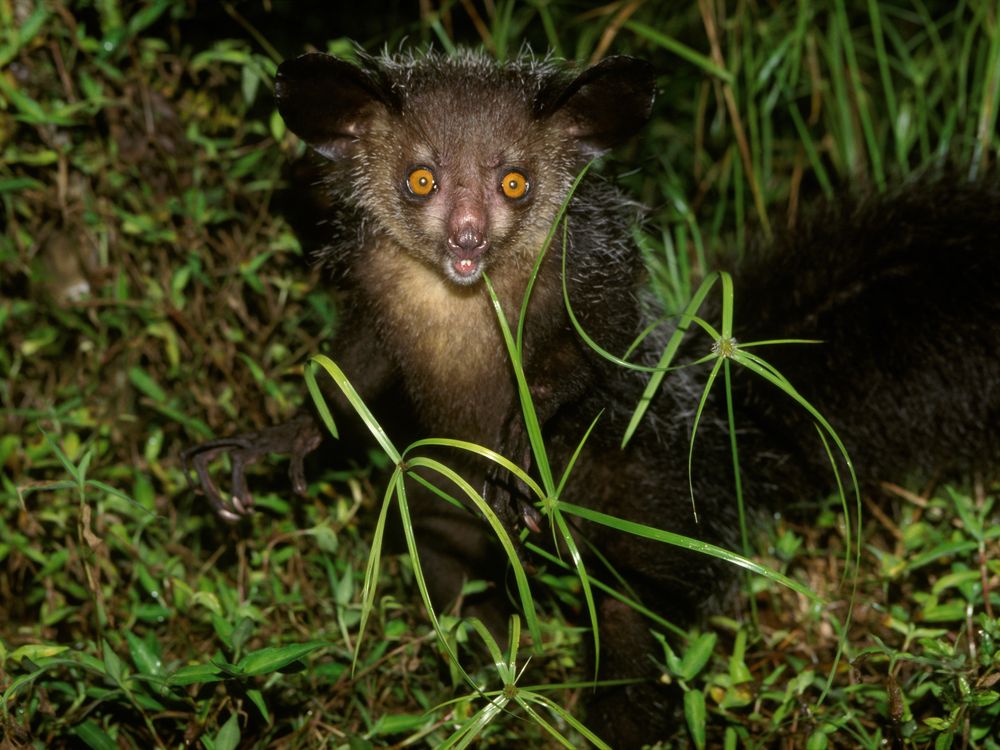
(901, 287)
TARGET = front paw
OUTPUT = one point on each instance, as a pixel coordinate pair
(297, 438)
(513, 509)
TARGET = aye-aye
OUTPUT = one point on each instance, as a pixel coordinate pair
(444, 171)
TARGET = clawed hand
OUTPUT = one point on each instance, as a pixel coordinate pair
(298, 438)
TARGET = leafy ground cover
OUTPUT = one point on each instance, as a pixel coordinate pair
(152, 295)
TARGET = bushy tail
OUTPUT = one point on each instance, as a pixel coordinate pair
(903, 289)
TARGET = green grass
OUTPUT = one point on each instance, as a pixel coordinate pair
(140, 162)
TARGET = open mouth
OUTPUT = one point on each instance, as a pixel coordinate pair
(465, 266)
(464, 270)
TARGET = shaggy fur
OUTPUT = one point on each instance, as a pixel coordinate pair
(901, 288)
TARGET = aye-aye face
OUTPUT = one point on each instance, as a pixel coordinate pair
(462, 161)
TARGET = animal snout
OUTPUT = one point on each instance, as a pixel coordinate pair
(467, 243)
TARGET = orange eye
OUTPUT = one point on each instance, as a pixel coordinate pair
(514, 185)
(421, 182)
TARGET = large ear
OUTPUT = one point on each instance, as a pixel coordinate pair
(327, 102)
(605, 104)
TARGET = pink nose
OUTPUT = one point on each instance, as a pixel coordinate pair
(467, 243)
